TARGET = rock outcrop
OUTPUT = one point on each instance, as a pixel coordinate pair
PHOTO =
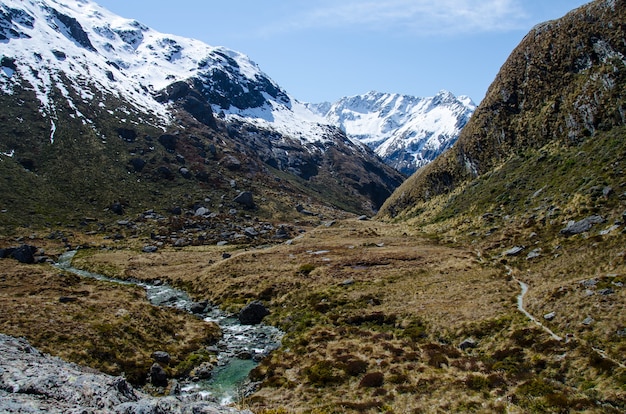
(33, 382)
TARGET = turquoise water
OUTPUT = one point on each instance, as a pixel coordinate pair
(228, 378)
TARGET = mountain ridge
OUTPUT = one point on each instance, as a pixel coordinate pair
(560, 85)
(142, 105)
(406, 131)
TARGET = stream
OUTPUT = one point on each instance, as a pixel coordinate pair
(229, 376)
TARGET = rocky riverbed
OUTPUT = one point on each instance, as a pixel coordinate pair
(33, 382)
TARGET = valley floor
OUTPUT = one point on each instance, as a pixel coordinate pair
(378, 318)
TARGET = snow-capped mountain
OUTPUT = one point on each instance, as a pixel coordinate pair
(406, 131)
(48, 38)
(67, 65)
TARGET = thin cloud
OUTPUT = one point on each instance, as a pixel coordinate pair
(416, 17)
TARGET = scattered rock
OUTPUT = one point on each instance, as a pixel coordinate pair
(605, 292)
(117, 208)
(245, 198)
(514, 251)
(24, 254)
(250, 232)
(231, 163)
(169, 142)
(300, 209)
(149, 249)
(201, 211)
(584, 225)
(363, 218)
(161, 356)
(185, 172)
(253, 313)
(158, 376)
(534, 254)
(468, 343)
(588, 321)
(202, 372)
(226, 255)
(549, 316)
(347, 282)
(198, 307)
(67, 299)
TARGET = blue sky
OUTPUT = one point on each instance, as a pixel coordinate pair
(321, 50)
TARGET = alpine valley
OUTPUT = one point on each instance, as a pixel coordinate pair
(179, 234)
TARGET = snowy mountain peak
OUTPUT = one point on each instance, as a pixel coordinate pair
(108, 54)
(406, 131)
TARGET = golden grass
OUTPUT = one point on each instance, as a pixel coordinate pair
(360, 298)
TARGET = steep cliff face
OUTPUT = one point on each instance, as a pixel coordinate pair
(563, 84)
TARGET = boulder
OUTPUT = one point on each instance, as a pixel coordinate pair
(138, 164)
(584, 225)
(169, 142)
(514, 251)
(245, 199)
(253, 313)
(161, 356)
(117, 208)
(149, 249)
(468, 343)
(198, 307)
(231, 163)
(549, 316)
(24, 254)
(158, 376)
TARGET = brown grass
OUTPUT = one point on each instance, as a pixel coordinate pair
(360, 299)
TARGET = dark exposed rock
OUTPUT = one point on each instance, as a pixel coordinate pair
(198, 307)
(158, 376)
(24, 254)
(468, 343)
(75, 31)
(117, 208)
(128, 135)
(161, 356)
(246, 199)
(231, 162)
(149, 249)
(253, 313)
(165, 172)
(169, 142)
(138, 164)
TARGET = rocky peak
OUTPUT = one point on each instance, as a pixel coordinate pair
(407, 132)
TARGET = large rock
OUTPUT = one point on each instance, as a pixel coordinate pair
(24, 254)
(253, 313)
(245, 198)
(32, 382)
(577, 227)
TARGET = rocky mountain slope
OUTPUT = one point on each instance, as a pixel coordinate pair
(406, 131)
(101, 110)
(562, 87)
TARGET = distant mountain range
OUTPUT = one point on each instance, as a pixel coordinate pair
(407, 132)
